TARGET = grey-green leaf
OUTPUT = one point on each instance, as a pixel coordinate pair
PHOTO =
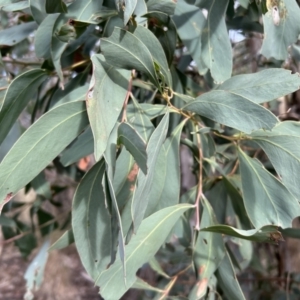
(39, 145)
(208, 254)
(19, 93)
(228, 281)
(144, 182)
(267, 233)
(105, 98)
(64, 241)
(15, 34)
(267, 200)
(280, 36)
(134, 143)
(232, 110)
(129, 9)
(282, 145)
(125, 50)
(91, 222)
(142, 247)
(83, 146)
(56, 6)
(262, 86)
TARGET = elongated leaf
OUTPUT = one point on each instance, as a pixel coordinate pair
(262, 86)
(125, 50)
(267, 200)
(164, 6)
(280, 36)
(64, 241)
(56, 49)
(167, 38)
(143, 285)
(39, 145)
(16, 34)
(134, 144)
(282, 145)
(38, 10)
(17, 96)
(214, 36)
(43, 36)
(157, 52)
(116, 219)
(16, 6)
(142, 247)
(56, 6)
(144, 182)
(232, 110)
(91, 222)
(209, 252)
(129, 9)
(170, 178)
(83, 146)
(267, 233)
(105, 98)
(228, 280)
(189, 21)
(150, 110)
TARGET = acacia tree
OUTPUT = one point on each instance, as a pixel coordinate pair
(133, 82)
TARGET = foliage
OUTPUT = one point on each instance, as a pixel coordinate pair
(135, 83)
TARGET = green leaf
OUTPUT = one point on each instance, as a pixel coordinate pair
(16, 34)
(164, 6)
(39, 145)
(105, 98)
(83, 146)
(209, 251)
(143, 285)
(56, 6)
(64, 241)
(267, 200)
(133, 142)
(282, 145)
(262, 86)
(167, 38)
(267, 233)
(157, 52)
(43, 36)
(7, 222)
(125, 50)
(142, 190)
(91, 222)
(19, 93)
(228, 281)
(232, 110)
(129, 9)
(142, 247)
(38, 10)
(149, 110)
(189, 21)
(279, 37)
(15, 6)
(170, 178)
(291, 233)
(57, 48)
(214, 36)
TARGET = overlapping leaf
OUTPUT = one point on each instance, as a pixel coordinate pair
(105, 100)
(282, 145)
(280, 37)
(144, 182)
(262, 86)
(91, 222)
(148, 239)
(208, 254)
(17, 96)
(232, 110)
(267, 200)
(39, 145)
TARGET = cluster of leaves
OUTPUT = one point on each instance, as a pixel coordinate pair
(139, 107)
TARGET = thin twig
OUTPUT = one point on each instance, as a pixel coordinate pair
(21, 62)
(234, 168)
(167, 291)
(3, 88)
(200, 191)
(124, 116)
